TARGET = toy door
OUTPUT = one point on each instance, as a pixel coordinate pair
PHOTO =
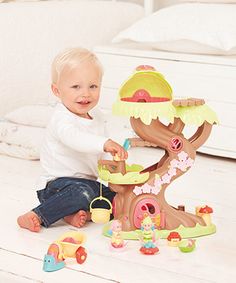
(149, 207)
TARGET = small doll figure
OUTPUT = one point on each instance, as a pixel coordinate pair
(117, 241)
(148, 237)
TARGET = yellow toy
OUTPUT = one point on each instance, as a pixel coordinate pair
(100, 215)
(67, 246)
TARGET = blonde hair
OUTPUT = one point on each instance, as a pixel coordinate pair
(72, 57)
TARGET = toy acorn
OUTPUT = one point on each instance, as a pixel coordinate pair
(187, 246)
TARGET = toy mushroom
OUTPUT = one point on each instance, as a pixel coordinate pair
(205, 213)
(173, 239)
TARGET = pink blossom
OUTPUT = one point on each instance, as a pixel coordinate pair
(189, 162)
(158, 183)
(137, 191)
(172, 171)
(183, 166)
(182, 156)
(146, 188)
(166, 178)
(174, 163)
(155, 190)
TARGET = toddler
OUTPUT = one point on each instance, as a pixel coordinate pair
(75, 140)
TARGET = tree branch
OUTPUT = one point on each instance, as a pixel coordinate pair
(201, 135)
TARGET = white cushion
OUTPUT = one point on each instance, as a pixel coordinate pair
(31, 115)
(189, 28)
(20, 141)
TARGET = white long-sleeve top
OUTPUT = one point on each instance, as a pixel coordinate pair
(72, 145)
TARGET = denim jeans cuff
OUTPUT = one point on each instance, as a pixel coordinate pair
(44, 221)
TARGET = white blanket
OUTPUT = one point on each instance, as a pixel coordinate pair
(20, 141)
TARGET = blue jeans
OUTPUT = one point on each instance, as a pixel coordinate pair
(67, 195)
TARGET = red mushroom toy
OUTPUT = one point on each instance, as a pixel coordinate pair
(205, 213)
(173, 239)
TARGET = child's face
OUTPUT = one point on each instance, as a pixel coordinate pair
(79, 88)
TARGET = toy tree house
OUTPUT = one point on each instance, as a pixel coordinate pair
(146, 97)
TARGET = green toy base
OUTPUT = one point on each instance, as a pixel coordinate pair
(185, 232)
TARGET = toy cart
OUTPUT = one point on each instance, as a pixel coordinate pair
(67, 246)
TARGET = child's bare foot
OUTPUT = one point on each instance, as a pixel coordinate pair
(77, 219)
(29, 221)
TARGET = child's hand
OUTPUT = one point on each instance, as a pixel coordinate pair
(115, 149)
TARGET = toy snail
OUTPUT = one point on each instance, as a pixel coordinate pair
(69, 245)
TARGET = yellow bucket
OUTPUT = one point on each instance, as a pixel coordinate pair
(100, 215)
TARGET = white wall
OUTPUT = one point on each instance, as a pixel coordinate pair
(160, 3)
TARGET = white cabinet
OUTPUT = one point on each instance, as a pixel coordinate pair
(210, 77)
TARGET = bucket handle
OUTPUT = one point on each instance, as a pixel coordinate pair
(101, 198)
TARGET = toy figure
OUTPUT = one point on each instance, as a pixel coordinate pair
(148, 238)
(117, 241)
(68, 245)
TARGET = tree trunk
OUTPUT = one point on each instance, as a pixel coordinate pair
(176, 147)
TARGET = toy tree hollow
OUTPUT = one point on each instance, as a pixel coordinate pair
(146, 97)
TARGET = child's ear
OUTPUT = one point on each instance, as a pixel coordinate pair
(55, 90)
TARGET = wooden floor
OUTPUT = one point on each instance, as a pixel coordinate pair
(211, 181)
